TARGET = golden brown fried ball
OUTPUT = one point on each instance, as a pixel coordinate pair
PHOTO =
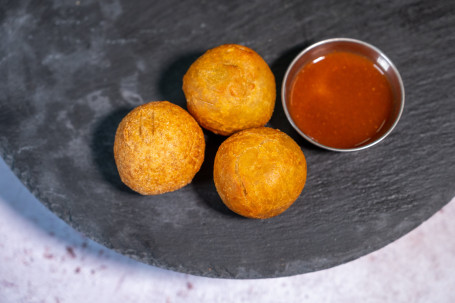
(158, 148)
(230, 88)
(259, 172)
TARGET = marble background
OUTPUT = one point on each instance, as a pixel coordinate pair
(43, 260)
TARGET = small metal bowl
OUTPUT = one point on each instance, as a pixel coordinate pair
(357, 47)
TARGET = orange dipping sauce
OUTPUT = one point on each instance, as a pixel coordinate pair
(341, 100)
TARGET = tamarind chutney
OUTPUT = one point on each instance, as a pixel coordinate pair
(341, 100)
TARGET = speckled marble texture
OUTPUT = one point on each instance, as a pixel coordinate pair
(43, 260)
(70, 70)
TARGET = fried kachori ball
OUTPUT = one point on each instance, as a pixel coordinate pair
(259, 172)
(158, 148)
(230, 88)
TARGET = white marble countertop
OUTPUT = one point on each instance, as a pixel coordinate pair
(43, 260)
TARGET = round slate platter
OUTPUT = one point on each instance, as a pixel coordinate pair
(70, 70)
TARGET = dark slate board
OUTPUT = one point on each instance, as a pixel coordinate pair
(70, 70)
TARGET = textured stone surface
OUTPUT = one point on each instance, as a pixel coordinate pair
(70, 70)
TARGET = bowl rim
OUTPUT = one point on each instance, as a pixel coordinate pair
(354, 41)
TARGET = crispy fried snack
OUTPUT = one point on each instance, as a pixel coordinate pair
(259, 172)
(158, 148)
(230, 88)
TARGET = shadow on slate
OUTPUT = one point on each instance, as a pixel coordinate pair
(203, 181)
(279, 119)
(171, 80)
(102, 146)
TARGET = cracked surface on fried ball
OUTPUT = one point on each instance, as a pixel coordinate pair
(230, 88)
(259, 172)
(158, 148)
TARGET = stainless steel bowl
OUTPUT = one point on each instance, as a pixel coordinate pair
(354, 46)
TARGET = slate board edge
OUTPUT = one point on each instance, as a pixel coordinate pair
(9, 160)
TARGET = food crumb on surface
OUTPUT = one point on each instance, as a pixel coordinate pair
(71, 252)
